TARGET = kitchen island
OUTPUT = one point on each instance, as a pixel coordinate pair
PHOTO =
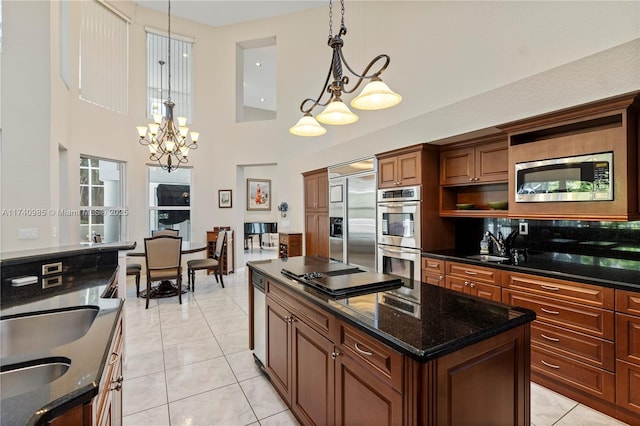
(375, 359)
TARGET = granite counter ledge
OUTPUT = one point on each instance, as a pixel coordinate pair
(586, 269)
(450, 320)
(88, 356)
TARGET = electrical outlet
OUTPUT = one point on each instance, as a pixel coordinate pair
(523, 228)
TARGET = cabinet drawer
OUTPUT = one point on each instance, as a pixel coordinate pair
(628, 302)
(628, 338)
(434, 266)
(559, 289)
(592, 380)
(591, 350)
(386, 363)
(320, 320)
(628, 386)
(584, 319)
(472, 272)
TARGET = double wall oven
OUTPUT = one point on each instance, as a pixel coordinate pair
(400, 237)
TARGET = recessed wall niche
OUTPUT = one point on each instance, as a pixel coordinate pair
(256, 80)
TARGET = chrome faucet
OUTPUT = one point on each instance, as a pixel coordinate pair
(497, 242)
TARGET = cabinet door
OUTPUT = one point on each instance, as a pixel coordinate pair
(322, 242)
(409, 169)
(313, 375)
(492, 162)
(457, 166)
(310, 192)
(486, 291)
(362, 398)
(310, 234)
(457, 284)
(323, 191)
(628, 386)
(628, 338)
(387, 172)
(279, 348)
(433, 279)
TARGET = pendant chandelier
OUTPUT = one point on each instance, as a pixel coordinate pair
(375, 95)
(169, 143)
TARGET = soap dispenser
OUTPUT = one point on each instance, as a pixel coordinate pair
(484, 245)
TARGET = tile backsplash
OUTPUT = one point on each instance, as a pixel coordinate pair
(619, 240)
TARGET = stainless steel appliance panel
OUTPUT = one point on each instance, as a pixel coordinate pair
(577, 178)
(361, 220)
(404, 262)
(336, 219)
(399, 217)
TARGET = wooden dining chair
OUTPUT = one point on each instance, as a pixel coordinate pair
(135, 269)
(210, 264)
(163, 256)
(158, 232)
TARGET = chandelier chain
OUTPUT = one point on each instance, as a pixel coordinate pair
(169, 51)
(330, 19)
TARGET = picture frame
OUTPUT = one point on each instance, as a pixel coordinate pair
(224, 198)
(259, 194)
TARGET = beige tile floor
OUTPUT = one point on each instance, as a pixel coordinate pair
(189, 364)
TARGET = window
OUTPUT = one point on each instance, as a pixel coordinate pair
(170, 201)
(256, 90)
(158, 75)
(102, 209)
(104, 40)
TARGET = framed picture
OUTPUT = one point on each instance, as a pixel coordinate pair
(258, 194)
(224, 198)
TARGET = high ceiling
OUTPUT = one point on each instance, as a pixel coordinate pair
(218, 13)
(259, 80)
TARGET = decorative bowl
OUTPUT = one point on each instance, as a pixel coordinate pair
(498, 205)
(465, 206)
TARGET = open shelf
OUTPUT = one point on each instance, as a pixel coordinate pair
(478, 195)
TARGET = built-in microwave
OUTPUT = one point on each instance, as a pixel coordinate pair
(578, 178)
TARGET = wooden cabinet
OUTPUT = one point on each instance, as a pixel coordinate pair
(400, 168)
(433, 271)
(478, 162)
(602, 126)
(316, 196)
(572, 339)
(289, 245)
(628, 355)
(474, 172)
(474, 280)
(228, 261)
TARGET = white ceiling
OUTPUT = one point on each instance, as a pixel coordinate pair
(259, 81)
(217, 13)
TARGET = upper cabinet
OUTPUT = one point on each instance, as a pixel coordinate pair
(473, 175)
(316, 201)
(400, 168)
(609, 125)
(479, 162)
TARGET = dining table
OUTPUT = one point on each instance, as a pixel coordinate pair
(168, 288)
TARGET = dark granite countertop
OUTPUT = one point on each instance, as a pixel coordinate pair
(622, 274)
(22, 256)
(88, 354)
(444, 322)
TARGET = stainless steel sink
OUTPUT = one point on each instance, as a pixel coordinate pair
(40, 332)
(488, 258)
(25, 379)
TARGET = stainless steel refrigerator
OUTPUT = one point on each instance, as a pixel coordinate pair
(352, 213)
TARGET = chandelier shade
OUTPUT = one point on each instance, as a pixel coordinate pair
(375, 95)
(169, 142)
(307, 126)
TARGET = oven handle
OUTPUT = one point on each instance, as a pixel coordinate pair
(404, 204)
(399, 250)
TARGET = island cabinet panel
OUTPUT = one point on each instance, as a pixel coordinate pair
(487, 380)
(279, 348)
(362, 398)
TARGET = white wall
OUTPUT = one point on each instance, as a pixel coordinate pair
(460, 66)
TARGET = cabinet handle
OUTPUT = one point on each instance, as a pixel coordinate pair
(441, 277)
(470, 179)
(432, 265)
(116, 386)
(549, 365)
(466, 283)
(547, 311)
(470, 272)
(546, 287)
(114, 358)
(553, 339)
(335, 354)
(473, 285)
(476, 179)
(363, 352)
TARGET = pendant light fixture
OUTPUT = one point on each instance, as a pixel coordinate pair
(169, 143)
(375, 95)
